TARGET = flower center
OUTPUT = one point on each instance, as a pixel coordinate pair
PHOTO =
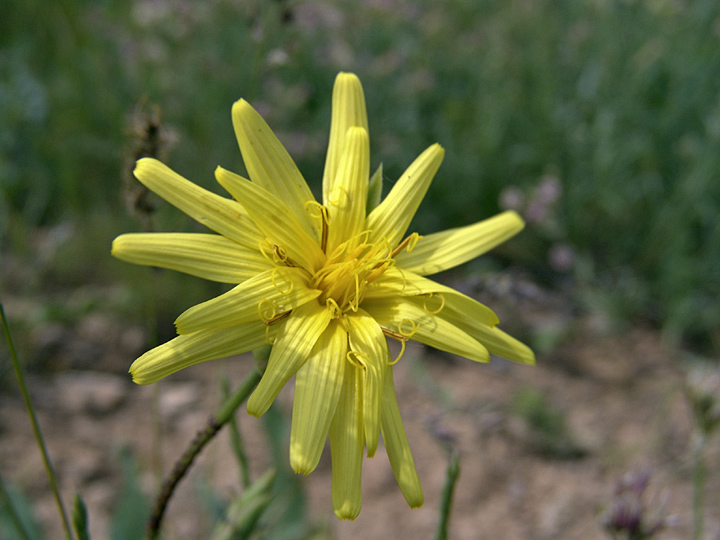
(347, 272)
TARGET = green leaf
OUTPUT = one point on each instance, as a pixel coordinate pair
(243, 514)
(374, 190)
(80, 518)
(17, 519)
(132, 507)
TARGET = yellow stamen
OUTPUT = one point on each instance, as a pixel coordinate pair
(278, 318)
(265, 311)
(324, 218)
(409, 333)
(408, 243)
(267, 336)
(442, 303)
(401, 338)
(402, 351)
(333, 308)
(343, 195)
(357, 362)
(273, 275)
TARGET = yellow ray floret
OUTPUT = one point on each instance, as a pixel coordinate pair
(326, 283)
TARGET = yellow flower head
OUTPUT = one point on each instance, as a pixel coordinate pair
(325, 283)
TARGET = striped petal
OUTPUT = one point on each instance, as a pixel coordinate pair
(440, 251)
(259, 298)
(268, 163)
(275, 219)
(493, 339)
(215, 212)
(290, 351)
(370, 349)
(398, 449)
(208, 256)
(185, 351)
(346, 445)
(318, 385)
(404, 317)
(348, 110)
(392, 217)
(436, 297)
(348, 198)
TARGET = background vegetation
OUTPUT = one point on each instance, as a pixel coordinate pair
(598, 119)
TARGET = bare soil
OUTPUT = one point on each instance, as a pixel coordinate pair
(621, 398)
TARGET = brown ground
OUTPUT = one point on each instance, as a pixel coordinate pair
(621, 397)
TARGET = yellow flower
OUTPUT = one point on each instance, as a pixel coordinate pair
(325, 283)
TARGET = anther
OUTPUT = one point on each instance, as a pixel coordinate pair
(358, 360)
(410, 242)
(324, 218)
(282, 256)
(401, 338)
(278, 318)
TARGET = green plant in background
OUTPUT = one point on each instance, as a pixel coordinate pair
(703, 392)
(617, 100)
(549, 433)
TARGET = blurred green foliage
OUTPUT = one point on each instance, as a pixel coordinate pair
(616, 100)
(548, 434)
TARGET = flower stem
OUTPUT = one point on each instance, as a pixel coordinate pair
(451, 476)
(236, 441)
(196, 445)
(698, 476)
(35, 426)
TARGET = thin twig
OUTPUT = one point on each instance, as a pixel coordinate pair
(196, 445)
(36, 426)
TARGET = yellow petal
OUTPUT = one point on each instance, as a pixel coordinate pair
(437, 252)
(261, 297)
(268, 163)
(403, 316)
(348, 198)
(290, 351)
(348, 110)
(398, 449)
(208, 256)
(184, 351)
(369, 346)
(346, 445)
(436, 297)
(215, 212)
(495, 340)
(392, 217)
(275, 219)
(318, 384)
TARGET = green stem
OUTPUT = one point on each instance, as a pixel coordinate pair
(236, 441)
(12, 512)
(451, 476)
(36, 426)
(698, 476)
(196, 445)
